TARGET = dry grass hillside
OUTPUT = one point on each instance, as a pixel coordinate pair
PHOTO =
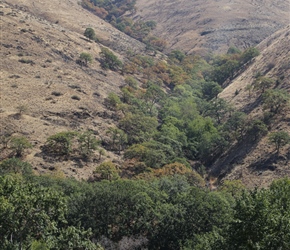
(215, 25)
(40, 43)
(257, 164)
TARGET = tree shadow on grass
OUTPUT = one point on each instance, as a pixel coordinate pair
(234, 156)
(270, 163)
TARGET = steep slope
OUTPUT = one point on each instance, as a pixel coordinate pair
(256, 164)
(40, 43)
(214, 25)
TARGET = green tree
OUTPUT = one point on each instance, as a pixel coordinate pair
(218, 109)
(112, 101)
(107, 171)
(109, 60)
(249, 54)
(87, 143)
(139, 128)
(262, 83)
(256, 129)
(249, 88)
(261, 219)
(279, 139)
(30, 213)
(177, 54)
(153, 95)
(60, 143)
(5, 137)
(236, 124)
(211, 90)
(90, 33)
(275, 100)
(233, 50)
(118, 138)
(18, 144)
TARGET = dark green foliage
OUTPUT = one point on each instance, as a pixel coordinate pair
(90, 33)
(249, 54)
(211, 90)
(29, 213)
(109, 60)
(256, 129)
(132, 82)
(14, 165)
(177, 54)
(139, 128)
(154, 154)
(237, 125)
(52, 213)
(261, 219)
(218, 109)
(224, 71)
(128, 207)
(225, 66)
(60, 143)
(233, 50)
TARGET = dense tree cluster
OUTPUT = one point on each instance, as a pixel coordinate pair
(171, 125)
(42, 212)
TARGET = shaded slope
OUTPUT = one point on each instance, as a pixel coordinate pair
(257, 163)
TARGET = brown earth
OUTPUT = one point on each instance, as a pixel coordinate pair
(201, 26)
(257, 164)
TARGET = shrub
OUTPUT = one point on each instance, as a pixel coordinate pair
(107, 171)
(14, 165)
(60, 143)
(75, 97)
(84, 59)
(27, 61)
(112, 101)
(90, 33)
(19, 144)
(56, 93)
(109, 60)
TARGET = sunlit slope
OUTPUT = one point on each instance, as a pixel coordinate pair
(214, 25)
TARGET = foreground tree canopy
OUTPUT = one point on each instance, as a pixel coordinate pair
(41, 212)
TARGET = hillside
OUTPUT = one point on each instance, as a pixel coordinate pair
(44, 91)
(214, 25)
(40, 43)
(106, 143)
(257, 164)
